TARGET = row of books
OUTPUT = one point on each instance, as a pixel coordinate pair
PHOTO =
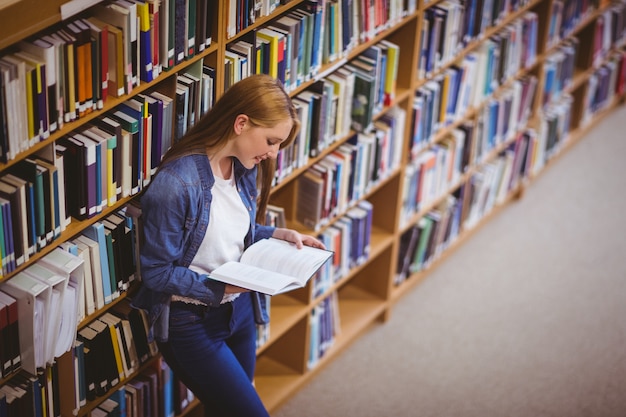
(34, 194)
(565, 17)
(327, 30)
(344, 176)
(512, 105)
(434, 170)
(285, 50)
(154, 392)
(604, 83)
(448, 96)
(450, 25)
(109, 249)
(80, 276)
(241, 14)
(608, 29)
(324, 326)
(112, 157)
(349, 237)
(559, 68)
(106, 352)
(56, 77)
(32, 215)
(425, 240)
(493, 181)
(48, 296)
(503, 116)
(346, 99)
(288, 48)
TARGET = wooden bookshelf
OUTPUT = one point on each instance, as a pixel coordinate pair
(367, 293)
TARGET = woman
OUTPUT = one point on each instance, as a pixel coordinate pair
(200, 211)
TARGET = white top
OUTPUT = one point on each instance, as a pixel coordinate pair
(228, 225)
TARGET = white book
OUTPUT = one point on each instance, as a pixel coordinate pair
(88, 298)
(32, 297)
(57, 283)
(272, 266)
(95, 271)
(72, 268)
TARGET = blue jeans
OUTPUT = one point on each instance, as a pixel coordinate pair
(213, 351)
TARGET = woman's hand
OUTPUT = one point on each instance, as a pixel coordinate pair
(297, 238)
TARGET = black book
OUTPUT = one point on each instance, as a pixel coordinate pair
(125, 236)
(106, 357)
(95, 383)
(75, 178)
(138, 329)
(180, 17)
(4, 123)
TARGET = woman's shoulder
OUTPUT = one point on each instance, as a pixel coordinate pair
(187, 169)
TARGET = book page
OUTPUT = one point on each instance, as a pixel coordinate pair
(253, 278)
(283, 257)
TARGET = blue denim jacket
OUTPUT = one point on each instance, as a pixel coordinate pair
(175, 215)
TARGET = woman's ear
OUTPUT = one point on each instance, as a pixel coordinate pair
(240, 123)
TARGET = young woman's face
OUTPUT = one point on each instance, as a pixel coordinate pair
(255, 144)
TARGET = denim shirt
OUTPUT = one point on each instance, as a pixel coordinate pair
(175, 217)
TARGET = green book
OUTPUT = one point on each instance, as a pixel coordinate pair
(425, 226)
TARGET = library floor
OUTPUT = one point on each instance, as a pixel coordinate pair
(527, 318)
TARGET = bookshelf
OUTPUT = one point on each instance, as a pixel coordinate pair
(442, 155)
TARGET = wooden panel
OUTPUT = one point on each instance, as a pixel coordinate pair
(27, 17)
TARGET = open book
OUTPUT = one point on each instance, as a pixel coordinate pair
(273, 266)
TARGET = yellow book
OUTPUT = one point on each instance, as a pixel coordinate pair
(391, 73)
(115, 324)
(444, 98)
(70, 59)
(116, 352)
(272, 37)
(37, 96)
(29, 102)
(116, 61)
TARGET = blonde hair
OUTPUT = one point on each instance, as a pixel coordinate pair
(263, 99)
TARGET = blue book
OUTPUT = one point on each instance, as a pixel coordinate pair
(119, 397)
(27, 170)
(135, 109)
(8, 236)
(30, 203)
(145, 67)
(317, 10)
(167, 378)
(96, 233)
(453, 92)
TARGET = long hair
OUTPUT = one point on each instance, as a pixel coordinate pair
(265, 102)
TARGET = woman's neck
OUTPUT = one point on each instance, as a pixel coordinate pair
(222, 166)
